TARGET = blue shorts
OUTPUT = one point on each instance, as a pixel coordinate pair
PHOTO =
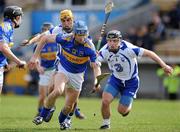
(127, 89)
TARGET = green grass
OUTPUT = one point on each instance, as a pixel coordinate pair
(17, 112)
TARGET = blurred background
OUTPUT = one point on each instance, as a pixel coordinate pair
(151, 24)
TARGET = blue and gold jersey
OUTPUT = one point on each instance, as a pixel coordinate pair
(74, 57)
(48, 55)
(6, 37)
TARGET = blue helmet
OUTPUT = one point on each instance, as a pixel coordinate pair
(80, 28)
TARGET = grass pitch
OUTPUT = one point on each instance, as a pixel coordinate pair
(17, 112)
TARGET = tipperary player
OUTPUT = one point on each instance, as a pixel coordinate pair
(12, 19)
(73, 60)
(46, 69)
(65, 28)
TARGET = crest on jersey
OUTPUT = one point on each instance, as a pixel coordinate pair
(122, 59)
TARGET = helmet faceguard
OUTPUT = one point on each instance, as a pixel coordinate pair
(114, 34)
(114, 37)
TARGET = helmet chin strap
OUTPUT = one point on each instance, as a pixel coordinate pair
(15, 22)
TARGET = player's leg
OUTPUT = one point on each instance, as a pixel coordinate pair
(1, 79)
(44, 82)
(72, 93)
(70, 100)
(78, 113)
(60, 80)
(107, 97)
(69, 117)
(110, 91)
(50, 89)
(127, 95)
(42, 95)
(125, 105)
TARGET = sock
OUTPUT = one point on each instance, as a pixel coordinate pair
(106, 122)
(68, 119)
(62, 117)
(40, 109)
(77, 112)
(44, 112)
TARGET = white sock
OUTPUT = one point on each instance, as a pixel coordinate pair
(106, 122)
(68, 121)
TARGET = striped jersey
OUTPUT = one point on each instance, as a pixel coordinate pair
(6, 37)
(123, 64)
(75, 57)
(49, 51)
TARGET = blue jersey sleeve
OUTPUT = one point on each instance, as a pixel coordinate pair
(92, 54)
(1, 34)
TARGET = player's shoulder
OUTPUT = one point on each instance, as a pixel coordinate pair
(89, 43)
(5, 26)
(104, 48)
(67, 37)
(56, 29)
(127, 44)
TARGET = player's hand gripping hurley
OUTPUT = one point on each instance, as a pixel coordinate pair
(99, 79)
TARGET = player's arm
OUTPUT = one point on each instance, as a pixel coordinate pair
(4, 48)
(97, 72)
(45, 39)
(39, 68)
(96, 68)
(167, 69)
(32, 40)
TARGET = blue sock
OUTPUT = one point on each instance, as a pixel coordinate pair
(62, 117)
(77, 112)
(44, 112)
(40, 109)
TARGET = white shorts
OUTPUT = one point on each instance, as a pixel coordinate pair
(46, 78)
(1, 76)
(74, 79)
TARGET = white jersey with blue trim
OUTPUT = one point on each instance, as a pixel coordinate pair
(56, 30)
(123, 64)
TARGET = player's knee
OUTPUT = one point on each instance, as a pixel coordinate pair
(57, 92)
(123, 111)
(42, 97)
(125, 105)
(105, 102)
